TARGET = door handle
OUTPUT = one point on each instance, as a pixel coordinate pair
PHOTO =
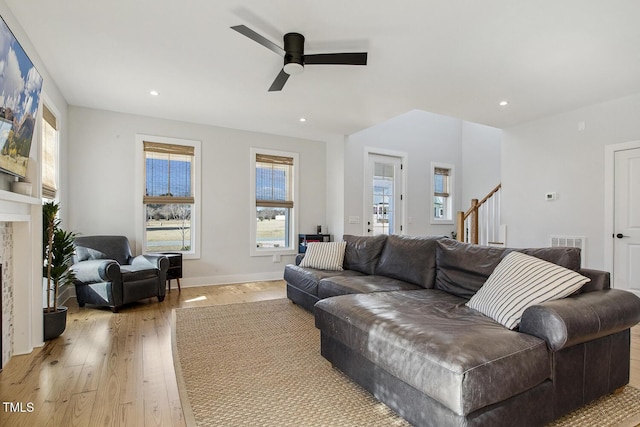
(620, 235)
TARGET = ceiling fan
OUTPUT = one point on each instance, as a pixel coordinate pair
(294, 57)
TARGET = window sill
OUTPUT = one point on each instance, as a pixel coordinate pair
(441, 222)
(273, 251)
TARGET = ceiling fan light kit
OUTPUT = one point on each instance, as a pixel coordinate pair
(293, 68)
(294, 57)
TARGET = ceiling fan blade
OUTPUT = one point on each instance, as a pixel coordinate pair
(279, 82)
(248, 32)
(356, 58)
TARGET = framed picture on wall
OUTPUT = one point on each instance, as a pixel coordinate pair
(20, 86)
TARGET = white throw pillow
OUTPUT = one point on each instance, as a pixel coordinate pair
(324, 255)
(520, 281)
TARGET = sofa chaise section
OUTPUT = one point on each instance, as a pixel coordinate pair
(451, 353)
(437, 362)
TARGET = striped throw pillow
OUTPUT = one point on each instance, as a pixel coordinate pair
(324, 255)
(520, 281)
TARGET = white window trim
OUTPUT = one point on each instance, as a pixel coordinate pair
(196, 234)
(59, 127)
(292, 249)
(450, 200)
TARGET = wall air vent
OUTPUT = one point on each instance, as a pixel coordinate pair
(571, 242)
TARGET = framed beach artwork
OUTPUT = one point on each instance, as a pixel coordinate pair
(20, 86)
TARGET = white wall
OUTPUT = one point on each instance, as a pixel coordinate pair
(481, 154)
(425, 138)
(553, 155)
(102, 156)
(335, 187)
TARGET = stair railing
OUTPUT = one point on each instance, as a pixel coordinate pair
(480, 224)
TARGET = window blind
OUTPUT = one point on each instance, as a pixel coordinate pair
(441, 182)
(49, 154)
(168, 171)
(274, 176)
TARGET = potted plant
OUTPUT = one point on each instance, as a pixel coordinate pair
(58, 250)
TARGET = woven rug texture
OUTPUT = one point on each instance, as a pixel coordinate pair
(259, 364)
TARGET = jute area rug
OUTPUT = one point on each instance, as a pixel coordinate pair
(259, 364)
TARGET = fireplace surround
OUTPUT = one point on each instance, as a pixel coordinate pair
(20, 257)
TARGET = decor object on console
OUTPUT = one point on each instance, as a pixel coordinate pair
(20, 95)
(57, 256)
(305, 239)
(396, 322)
(106, 273)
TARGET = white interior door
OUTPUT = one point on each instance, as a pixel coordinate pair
(383, 198)
(626, 231)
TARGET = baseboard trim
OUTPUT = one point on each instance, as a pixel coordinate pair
(230, 279)
(67, 292)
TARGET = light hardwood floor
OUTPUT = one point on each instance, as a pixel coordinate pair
(117, 369)
(112, 369)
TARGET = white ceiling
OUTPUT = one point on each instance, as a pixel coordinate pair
(455, 57)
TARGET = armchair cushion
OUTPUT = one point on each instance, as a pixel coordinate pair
(131, 273)
(103, 247)
(95, 271)
(141, 262)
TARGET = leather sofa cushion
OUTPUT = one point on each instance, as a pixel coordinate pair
(566, 257)
(307, 279)
(430, 340)
(343, 285)
(362, 252)
(411, 259)
(462, 268)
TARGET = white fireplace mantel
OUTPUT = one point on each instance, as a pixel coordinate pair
(25, 214)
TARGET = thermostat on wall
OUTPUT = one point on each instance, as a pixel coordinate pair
(550, 196)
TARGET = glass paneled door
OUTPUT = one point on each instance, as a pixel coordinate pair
(383, 200)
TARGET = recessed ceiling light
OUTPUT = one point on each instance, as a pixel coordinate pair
(302, 119)
(154, 93)
(504, 103)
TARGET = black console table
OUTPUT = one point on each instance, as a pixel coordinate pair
(303, 239)
(175, 267)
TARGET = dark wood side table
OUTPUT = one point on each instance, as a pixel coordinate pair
(303, 239)
(175, 267)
